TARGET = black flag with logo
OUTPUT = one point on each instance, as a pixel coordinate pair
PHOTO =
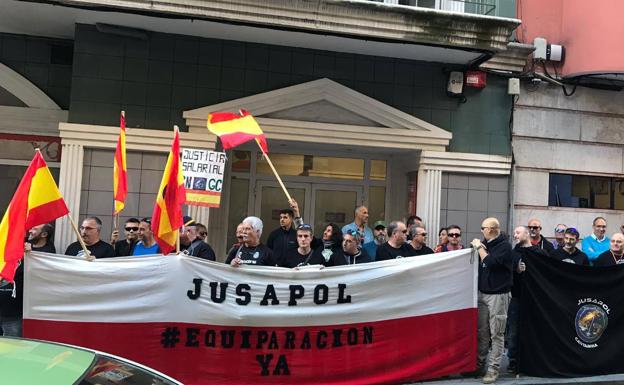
(571, 319)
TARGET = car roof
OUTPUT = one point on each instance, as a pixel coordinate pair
(35, 362)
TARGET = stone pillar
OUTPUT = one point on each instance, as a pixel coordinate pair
(428, 201)
(70, 184)
(200, 214)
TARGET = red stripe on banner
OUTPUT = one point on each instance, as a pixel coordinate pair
(382, 352)
(202, 192)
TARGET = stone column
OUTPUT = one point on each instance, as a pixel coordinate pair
(428, 201)
(70, 184)
(199, 214)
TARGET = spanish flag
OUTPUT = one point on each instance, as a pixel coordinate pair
(235, 129)
(37, 200)
(120, 178)
(167, 216)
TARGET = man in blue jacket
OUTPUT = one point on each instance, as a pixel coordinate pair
(597, 242)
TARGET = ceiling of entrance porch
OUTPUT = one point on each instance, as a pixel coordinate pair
(326, 112)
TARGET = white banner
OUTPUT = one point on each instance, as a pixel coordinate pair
(146, 308)
(203, 176)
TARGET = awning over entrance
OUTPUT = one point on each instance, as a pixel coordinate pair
(323, 111)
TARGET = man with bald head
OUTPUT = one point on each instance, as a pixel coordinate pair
(537, 239)
(523, 249)
(360, 226)
(495, 282)
(613, 256)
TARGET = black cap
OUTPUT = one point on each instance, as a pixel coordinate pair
(188, 221)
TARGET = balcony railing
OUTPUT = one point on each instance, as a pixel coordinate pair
(479, 7)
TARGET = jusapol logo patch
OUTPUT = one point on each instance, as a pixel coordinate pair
(590, 322)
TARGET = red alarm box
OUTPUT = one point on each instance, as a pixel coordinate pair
(476, 79)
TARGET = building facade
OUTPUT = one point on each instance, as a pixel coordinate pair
(355, 111)
(567, 143)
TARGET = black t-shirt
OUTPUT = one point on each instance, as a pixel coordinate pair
(361, 257)
(123, 248)
(578, 257)
(258, 255)
(293, 258)
(385, 252)
(424, 250)
(607, 259)
(328, 255)
(47, 248)
(201, 249)
(100, 249)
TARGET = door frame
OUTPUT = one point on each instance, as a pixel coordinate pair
(310, 192)
(268, 183)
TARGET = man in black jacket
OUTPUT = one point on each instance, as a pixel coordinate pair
(495, 281)
(537, 239)
(520, 252)
(284, 238)
(569, 252)
(197, 247)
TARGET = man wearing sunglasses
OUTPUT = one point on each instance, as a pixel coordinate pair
(396, 246)
(125, 246)
(559, 237)
(569, 252)
(453, 234)
(196, 232)
(495, 282)
(418, 244)
(537, 239)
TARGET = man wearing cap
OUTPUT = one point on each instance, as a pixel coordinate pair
(379, 234)
(192, 243)
(359, 225)
(569, 252)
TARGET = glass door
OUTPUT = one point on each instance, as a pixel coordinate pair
(270, 199)
(334, 203)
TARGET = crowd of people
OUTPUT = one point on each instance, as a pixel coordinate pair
(294, 244)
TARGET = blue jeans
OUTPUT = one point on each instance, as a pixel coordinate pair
(11, 326)
(512, 328)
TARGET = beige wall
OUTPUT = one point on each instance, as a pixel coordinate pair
(581, 134)
(144, 175)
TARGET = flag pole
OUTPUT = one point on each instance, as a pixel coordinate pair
(116, 215)
(88, 256)
(266, 156)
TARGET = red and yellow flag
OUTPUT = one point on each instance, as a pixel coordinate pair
(235, 129)
(120, 178)
(37, 200)
(167, 216)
